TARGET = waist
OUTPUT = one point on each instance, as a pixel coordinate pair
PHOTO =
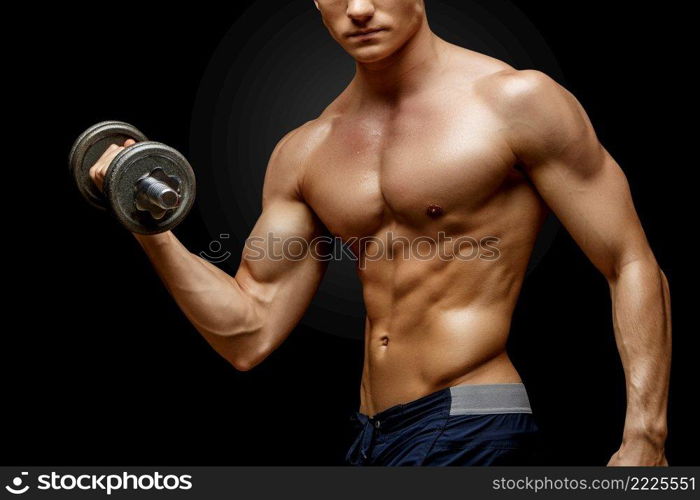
(401, 375)
(466, 399)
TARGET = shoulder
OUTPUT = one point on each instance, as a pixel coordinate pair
(522, 91)
(291, 155)
(535, 110)
(523, 82)
(296, 146)
(508, 92)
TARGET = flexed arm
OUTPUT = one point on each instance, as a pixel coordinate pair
(246, 316)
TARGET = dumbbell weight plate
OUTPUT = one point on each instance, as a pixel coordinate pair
(136, 162)
(88, 148)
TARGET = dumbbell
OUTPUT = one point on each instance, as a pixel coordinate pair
(149, 187)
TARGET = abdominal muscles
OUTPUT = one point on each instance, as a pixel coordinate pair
(435, 323)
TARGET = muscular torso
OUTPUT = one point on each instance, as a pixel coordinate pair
(430, 196)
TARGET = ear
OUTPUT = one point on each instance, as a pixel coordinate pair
(316, 4)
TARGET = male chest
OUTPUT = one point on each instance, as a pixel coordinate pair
(414, 170)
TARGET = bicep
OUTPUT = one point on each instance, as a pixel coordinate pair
(280, 268)
(281, 248)
(282, 263)
(576, 176)
(594, 204)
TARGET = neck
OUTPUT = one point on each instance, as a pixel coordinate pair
(404, 71)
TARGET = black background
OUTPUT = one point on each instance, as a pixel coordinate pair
(100, 367)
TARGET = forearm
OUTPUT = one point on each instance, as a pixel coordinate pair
(642, 323)
(211, 299)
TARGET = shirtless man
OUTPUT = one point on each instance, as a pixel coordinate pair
(431, 138)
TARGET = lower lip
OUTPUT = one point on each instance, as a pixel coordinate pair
(366, 36)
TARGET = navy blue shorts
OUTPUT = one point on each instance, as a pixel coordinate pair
(462, 425)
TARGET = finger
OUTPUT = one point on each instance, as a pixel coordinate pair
(109, 155)
(129, 142)
(95, 175)
(99, 169)
(110, 149)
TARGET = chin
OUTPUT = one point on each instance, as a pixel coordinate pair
(370, 54)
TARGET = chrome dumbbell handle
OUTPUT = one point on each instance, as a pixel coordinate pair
(157, 192)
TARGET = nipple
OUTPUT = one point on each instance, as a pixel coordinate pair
(434, 211)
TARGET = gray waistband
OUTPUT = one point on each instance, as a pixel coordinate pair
(490, 398)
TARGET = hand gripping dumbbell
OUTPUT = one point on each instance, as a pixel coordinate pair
(149, 187)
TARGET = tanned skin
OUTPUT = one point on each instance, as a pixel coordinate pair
(429, 137)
